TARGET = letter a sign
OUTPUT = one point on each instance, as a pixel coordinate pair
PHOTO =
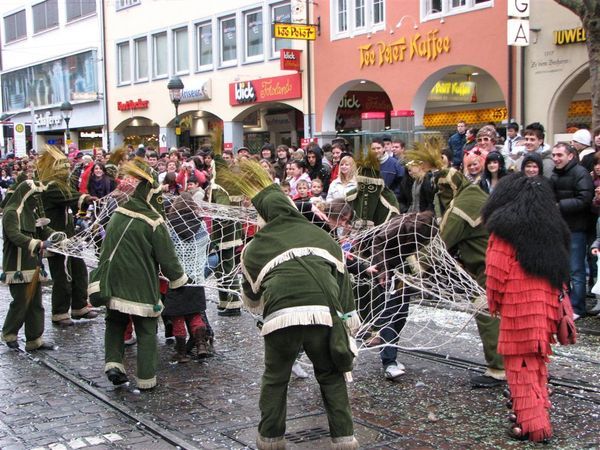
(517, 30)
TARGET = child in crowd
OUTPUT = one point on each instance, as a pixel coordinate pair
(297, 173)
(285, 187)
(316, 189)
(303, 191)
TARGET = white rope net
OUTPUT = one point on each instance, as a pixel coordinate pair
(406, 302)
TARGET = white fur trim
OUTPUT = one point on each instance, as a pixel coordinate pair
(32, 245)
(391, 208)
(353, 321)
(298, 315)
(132, 307)
(32, 190)
(178, 282)
(370, 180)
(230, 244)
(57, 317)
(251, 305)
(114, 365)
(93, 288)
(153, 223)
(34, 344)
(463, 215)
(288, 256)
(344, 443)
(27, 277)
(146, 384)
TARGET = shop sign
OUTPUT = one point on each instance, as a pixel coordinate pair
(306, 141)
(289, 59)
(47, 120)
(356, 102)
(285, 87)
(294, 31)
(20, 140)
(517, 32)
(571, 36)
(199, 90)
(90, 135)
(228, 146)
(428, 46)
(518, 8)
(452, 91)
(133, 104)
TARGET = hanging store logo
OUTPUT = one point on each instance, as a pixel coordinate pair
(47, 120)
(428, 46)
(244, 92)
(132, 104)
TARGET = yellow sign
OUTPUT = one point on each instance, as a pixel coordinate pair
(452, 91)
(294, 31)
(19, 128)
(572, 36)
(428, 46)
(474, 116)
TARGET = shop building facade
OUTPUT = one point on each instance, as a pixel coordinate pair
(51, 54)
(229, 63)
(400, 66)
(556, 66)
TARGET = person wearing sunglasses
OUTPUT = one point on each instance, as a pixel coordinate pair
(486, 142)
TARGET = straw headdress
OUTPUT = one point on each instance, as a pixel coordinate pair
(53, 165)
(427, 153)
(248, 178)
(137, 168)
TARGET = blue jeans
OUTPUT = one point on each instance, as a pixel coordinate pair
(578, 286)
(392, 320)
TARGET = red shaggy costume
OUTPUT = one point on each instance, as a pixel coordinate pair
(528, 244)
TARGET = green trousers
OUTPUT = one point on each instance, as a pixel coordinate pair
(281, 349)
(114, 345)
(68, 295)
(228, 280)
(489, 329)
(29, 312)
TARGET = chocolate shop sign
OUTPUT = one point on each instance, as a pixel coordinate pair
(47, 120)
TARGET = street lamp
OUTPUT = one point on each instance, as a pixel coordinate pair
(66, 109)
(175, 88)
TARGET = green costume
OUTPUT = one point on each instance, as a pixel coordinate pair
(462, 230)
(281, 266)
(226, 236)
(69, 275)
(373, 203)
(136, 248)
(22, 244)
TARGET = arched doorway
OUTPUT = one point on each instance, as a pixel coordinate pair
(570, 105)
(275, 122)
(459, 93)
(196, 128)
(139, 130)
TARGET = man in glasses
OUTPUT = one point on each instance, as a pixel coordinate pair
(574, 191)
(456, 143)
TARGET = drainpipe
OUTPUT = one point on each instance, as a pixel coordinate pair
(104, 74)
(309, 131)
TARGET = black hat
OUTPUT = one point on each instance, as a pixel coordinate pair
(141, 151)
(533, 157)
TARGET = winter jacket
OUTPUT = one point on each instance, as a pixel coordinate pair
(574, 191)
(456, 144)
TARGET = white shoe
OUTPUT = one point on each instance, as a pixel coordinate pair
(394, 371)
(298, 371)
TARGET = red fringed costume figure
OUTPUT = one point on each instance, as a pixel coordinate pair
(527, 266)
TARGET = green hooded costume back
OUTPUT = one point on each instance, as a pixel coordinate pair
(277, 285)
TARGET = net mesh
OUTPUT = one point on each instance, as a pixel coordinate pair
(405, 282)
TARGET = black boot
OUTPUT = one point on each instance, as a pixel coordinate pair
(181, 355)
(200, 340)
(116, 377)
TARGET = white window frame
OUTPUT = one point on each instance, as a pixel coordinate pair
(369, 26)
(246, 28)
(198, 26)
(449, 10)
(46, 27)
(120, 80)
(81, 15)
(14, 17)
(286, 43)
(234, 61)
(176, 69)
(155, 74)
(124, 4)
(358, 3)
(139, 77)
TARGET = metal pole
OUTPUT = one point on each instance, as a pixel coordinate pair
(177, 130)
(308, 78)
(68, 135)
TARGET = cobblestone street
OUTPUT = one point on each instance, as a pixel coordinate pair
(62, 400)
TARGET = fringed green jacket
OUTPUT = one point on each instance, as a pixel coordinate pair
(225, 233)
(22, 238)
(57, 202)
(137, 247)
(278, 285)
